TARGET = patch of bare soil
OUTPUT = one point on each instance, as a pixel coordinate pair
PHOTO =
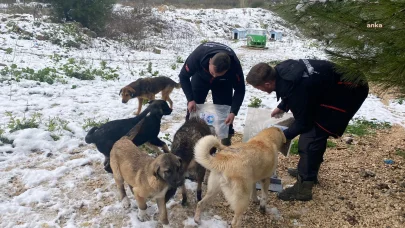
(357, 189)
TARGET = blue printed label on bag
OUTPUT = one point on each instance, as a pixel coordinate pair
(210, 119)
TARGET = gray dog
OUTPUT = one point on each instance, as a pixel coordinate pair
(183, 146)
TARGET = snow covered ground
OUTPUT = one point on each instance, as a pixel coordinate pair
(49, 177)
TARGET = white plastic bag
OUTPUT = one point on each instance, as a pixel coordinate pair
(214, 115)
(258, 119)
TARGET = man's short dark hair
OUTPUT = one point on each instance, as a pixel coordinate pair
(221, 61)
(260, 74)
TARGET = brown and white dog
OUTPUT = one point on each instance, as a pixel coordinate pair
(147, 88)
(146, 176)
(237, 168)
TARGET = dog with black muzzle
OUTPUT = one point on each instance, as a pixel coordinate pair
(147, 177)
(147, 88)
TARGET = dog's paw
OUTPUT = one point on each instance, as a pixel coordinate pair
(197, 218)
(142, 216)
(262, 209)
(184, 203)
(125, 203)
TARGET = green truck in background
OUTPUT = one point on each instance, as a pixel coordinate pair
(256, 37)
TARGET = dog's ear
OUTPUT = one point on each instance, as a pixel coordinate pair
(156, 169)
(120, 92)
(132, 92)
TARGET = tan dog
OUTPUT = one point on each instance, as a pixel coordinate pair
(146, 176)
(147, 88)
(237, 168)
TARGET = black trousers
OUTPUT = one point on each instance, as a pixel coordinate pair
(222, 93)
(311, 147)
(312, 144)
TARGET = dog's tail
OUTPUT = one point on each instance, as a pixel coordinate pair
(135, 130)
(202, 153)
(89, 137)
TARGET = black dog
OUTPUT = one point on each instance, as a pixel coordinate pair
(106, 135)
(183, 146)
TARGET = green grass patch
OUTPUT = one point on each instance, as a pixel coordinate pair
(16, 124)
(145, 101)
(47, 74)
(149, 69)
(400, 152)
(167, 137)
(179, 59)
(57, 124)
(330, 144)
(294, 147)
(4, 140)
(91, 122)
(74, 70)
(147, 149)
(361, 127)
(55, 137)
(255, 102)
(274, 62)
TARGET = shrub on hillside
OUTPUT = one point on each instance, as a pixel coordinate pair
(91, 14)
(257, 4)
(132, 26)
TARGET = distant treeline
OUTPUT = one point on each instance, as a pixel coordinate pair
(200, 3)
(179, 3)
(20, 1)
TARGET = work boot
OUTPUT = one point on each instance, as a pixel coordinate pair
(294, 173)
(227, 141)
(301, 190)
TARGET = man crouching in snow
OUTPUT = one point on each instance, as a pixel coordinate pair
(322, 102)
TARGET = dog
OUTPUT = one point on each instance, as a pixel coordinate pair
(147, 177)
(106, 135)
(237, 168)
(147, 88)
(184, 141)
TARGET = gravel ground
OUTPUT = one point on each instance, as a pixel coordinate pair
(357, 189)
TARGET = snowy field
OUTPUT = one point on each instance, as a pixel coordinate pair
(49, 176)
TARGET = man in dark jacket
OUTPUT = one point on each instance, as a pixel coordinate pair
(322, 103)
(214, 66)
